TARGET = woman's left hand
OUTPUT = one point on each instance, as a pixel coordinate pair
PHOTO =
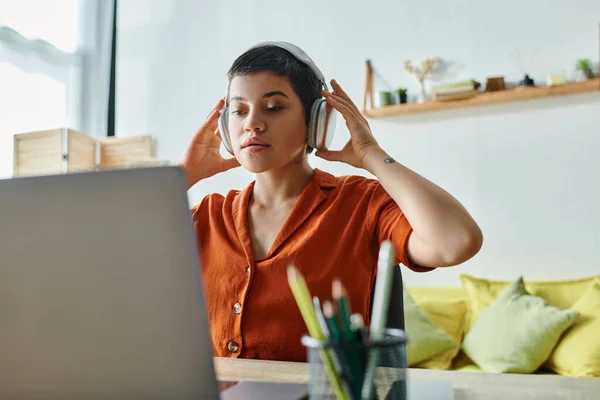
(361, 139)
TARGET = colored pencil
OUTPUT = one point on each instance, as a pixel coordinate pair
(381, 302)
(352, 356)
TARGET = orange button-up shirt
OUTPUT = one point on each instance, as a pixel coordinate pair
(333, 231)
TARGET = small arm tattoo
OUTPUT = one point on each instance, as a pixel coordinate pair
(389, 160)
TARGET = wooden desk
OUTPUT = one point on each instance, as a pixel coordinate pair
(467, 385)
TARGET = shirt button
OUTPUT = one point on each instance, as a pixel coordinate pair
(237, 308)
(232, 346)
(248, 271)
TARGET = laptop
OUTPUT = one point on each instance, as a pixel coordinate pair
(100, 289)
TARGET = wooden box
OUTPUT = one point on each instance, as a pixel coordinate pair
(117, 152)
(53, 151)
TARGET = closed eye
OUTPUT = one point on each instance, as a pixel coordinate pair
(269, 109)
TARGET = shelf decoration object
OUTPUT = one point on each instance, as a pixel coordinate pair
(527, 80)
(428, 66)
(455, 90)
(557, 79)
(495, 84)
(386, 98)
(585, 67)
(401, 95)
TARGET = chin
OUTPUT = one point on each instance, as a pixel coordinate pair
(257, 165)
(255, 169)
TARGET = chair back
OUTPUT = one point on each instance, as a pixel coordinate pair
(395, 317)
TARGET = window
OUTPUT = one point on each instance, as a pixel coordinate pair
(46, 47)
(28, 102)
(55, 21)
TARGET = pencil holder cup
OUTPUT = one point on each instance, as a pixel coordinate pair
(345, 370)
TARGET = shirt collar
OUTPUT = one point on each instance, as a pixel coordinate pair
(324, 179)
(311, 197)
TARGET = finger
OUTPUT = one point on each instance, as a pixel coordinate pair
(351, 106)
(344, 102)
(216, 109)
(330, 155)
(209, 121)
(209, 125)
(337, 89)
(212, 122)
(340, 100)
(347, 112)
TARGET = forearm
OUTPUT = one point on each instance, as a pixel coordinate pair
(438, 219)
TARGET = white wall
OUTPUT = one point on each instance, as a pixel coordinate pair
(527, 171)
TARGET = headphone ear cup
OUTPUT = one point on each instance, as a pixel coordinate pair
(321, 127)
(223, 124)
(312, 124)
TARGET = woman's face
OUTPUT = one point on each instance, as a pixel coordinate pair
(267, 126)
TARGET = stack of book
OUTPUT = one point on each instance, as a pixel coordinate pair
(455, 90)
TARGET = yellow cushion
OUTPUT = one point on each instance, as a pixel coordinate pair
(448, 315)
(517, 332)
(559, 293)
(440, 293)
(578, 352)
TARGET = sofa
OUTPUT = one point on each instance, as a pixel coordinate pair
(519, 326)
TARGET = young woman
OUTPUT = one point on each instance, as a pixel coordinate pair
(329, 227)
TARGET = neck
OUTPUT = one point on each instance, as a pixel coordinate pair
(282, 184)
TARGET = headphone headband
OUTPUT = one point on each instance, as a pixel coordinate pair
(300, 55)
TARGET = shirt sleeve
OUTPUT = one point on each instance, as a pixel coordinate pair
(198, 209)
(200, 212)
(390, 223)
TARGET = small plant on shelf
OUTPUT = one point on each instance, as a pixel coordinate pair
(584, 66)
(401, 95)
(428, 66)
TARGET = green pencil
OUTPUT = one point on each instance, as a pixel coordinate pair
(334, 328)
(348, 363)
(358, 324)
(352, 355)
(341, 298)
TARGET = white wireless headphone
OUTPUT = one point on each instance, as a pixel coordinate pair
(321, 125)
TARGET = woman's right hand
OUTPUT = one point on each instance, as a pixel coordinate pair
(202, 158)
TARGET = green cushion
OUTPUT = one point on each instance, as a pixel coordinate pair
(517, 332)
(425, 338)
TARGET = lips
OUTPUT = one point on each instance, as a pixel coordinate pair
(254, 142)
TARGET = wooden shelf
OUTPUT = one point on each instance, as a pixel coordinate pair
(505, 96)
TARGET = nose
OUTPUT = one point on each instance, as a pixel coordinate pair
(254, 122)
